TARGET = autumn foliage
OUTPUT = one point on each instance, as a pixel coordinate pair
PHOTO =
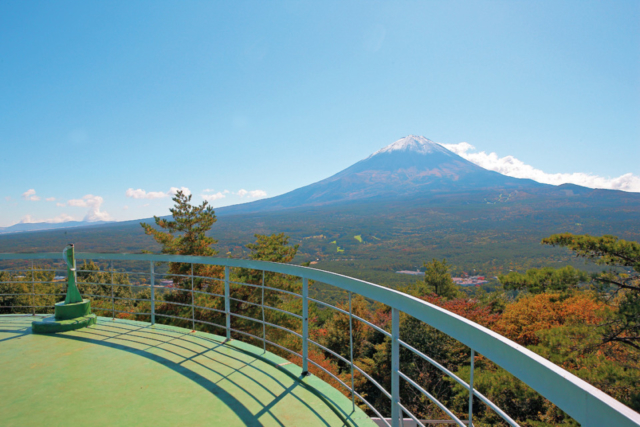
(522, 319)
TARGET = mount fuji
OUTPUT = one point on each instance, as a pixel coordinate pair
(411, 167)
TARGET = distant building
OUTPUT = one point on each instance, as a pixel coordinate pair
(470, 281)
(413, 273)
(165, 284)
(466, 280)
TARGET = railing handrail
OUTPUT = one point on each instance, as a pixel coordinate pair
(583, 402)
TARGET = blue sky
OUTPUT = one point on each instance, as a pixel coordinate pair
(102, 97)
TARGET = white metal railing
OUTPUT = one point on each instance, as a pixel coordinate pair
(583, 402)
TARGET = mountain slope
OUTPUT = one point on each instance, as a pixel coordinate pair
(413, 166)
(37, 226)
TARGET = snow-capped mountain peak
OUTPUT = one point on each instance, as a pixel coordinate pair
(414, 143)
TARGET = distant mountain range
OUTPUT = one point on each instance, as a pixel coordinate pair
(409, 202)
(37, 226)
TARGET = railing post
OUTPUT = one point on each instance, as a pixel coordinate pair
(153, 294)
(33, 290)
(264, 326)
(353, 395)
(395, 368)
(471, 390)
(113, 300)
(193, 304)
(305, 326)
(227, 301)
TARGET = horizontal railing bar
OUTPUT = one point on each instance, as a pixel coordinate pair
(431, 398)
(118, 298)
(280, 327)
(413, 417)
(352, 391)
(266, 323)
(246, 333)
(281, 347)
(385, 392)
(246, 317)
(372, 408)
(37, 282)
(173, 317)
(205, 293)
(330, 373)
(210, 309)
(279, 290)
(27, 306)
(476, 393)
(117, 311)
(173, 303)
(283, 311)
(377, 328)
(328, 305)
(23, 294)
(209, 323)
(113, 284)
(246, 302)
(265, 287)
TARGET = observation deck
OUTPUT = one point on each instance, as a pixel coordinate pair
(122, 372)
(165, 364)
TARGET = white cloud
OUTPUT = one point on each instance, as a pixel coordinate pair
(60, 204)
(511, 166)
(93, 203)
(125, 207)
(28, 219)
(212, 197)
(50, 199)
(141, 194)
(8, 198)
(30, 195)
(252, 194)
(174, 190)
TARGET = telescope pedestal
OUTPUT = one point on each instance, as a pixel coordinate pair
(67, 318)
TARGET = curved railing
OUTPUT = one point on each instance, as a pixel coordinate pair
(583, 402)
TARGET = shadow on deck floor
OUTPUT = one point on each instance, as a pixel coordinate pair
(126, 373)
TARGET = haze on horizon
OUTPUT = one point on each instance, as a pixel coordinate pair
(110, 110)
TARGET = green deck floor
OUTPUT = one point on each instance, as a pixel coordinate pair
(124, 373)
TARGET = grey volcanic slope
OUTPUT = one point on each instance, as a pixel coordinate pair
(410, 167)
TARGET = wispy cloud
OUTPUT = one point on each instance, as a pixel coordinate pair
(93, 203)
(174, 190)
(212, 197)
(252, 194)
(516, 168)
(142, 194)
(28, 219)
(50, 199)
(30, 195)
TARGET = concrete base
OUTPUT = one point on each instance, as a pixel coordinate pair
(50, 325)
